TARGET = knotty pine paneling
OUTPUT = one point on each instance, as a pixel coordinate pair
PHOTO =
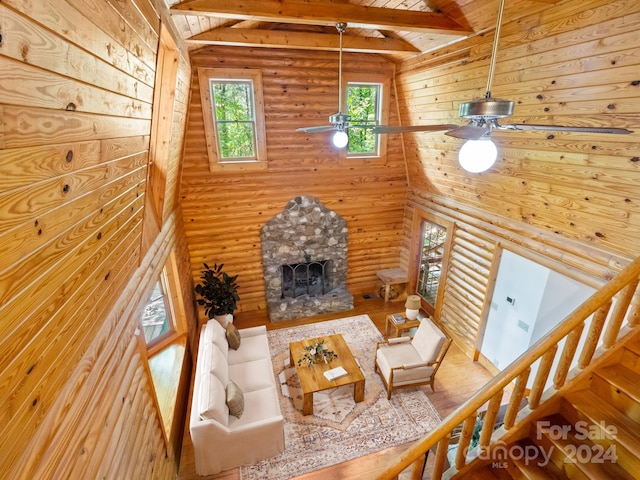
(576, 64)
(76, 110)
(466, 287)
(567, 200)
(223, 213)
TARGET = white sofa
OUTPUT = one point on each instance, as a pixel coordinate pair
(220, 440)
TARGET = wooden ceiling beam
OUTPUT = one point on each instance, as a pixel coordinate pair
(323, 13)
(301, 40)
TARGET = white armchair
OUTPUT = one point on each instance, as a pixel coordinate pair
(406, 362)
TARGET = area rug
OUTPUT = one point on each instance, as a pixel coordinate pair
(339, 429)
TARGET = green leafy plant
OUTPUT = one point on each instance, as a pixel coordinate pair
(318, 351)
(219, 291)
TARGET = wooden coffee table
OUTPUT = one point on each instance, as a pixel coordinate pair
(312, 378)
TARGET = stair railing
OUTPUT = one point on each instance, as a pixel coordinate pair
(627, 305)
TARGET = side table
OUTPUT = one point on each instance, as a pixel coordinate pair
(399, 327)
(391, 276)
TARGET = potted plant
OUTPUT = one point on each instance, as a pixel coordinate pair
(219, 293)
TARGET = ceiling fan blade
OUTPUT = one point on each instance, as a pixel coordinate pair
(407, 128)
(322, 128)
(560, 128)
(468, 132)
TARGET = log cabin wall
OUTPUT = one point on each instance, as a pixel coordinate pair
(566, 200)
(76, 112)
(223, 212)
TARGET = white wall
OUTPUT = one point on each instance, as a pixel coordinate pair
(522, 281)
(528, 300)
(562, 295)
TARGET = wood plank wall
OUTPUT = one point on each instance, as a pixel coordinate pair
(223, 213)
(567, 200)
(75, 109)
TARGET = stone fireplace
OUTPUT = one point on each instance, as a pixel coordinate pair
(304, 257)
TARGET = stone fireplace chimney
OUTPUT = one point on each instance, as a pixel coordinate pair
(304, 257)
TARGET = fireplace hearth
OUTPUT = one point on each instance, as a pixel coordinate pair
(304, 256)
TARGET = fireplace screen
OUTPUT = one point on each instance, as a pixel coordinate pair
(311, 278)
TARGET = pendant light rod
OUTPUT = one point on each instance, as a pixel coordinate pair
(341, 27)
(494, 50)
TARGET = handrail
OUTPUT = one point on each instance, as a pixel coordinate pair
(519, 370)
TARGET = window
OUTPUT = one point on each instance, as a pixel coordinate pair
(367, 104)
(234, 118)
(156, 318)
(363, 106)
(433, 242)
(163, 318)
(164, 328)
(233, 111)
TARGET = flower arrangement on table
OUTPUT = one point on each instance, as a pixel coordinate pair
(318, 351)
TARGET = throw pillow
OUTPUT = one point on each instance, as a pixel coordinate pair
(213, 405)
(235, 399)
(233, 336)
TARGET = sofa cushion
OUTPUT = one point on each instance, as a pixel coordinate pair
(212, 402)
(215, 333)
(233, 336)
(218, 364)
(259, 406)
(428, 340)
(401, 354)
(253, 348)
(235, 399)
(253, 375)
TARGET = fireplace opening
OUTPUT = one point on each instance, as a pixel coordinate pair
(309, 278)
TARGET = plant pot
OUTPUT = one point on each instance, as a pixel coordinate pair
(224, 320)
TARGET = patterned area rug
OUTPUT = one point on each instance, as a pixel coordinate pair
(339, 429)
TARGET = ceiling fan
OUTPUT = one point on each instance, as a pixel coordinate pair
(482, 113)
(479, 152)
(339, 121)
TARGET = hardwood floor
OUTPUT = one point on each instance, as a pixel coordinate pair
(458, 378)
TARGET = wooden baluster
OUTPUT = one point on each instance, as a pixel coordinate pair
(619, 311)
(465, 438)
(568, 352)
(418, 466)
(516, 399)
(633, 315)
(489, 421)
(591, 342)
(441, 457)
(546, 361)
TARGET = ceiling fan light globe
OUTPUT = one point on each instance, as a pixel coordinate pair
(478, 156)
(339, 139)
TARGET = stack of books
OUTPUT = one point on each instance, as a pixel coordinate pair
(397, 318)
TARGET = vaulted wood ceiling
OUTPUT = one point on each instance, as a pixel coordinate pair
(396, 28)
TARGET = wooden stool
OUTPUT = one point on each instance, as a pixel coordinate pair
(392, 276)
